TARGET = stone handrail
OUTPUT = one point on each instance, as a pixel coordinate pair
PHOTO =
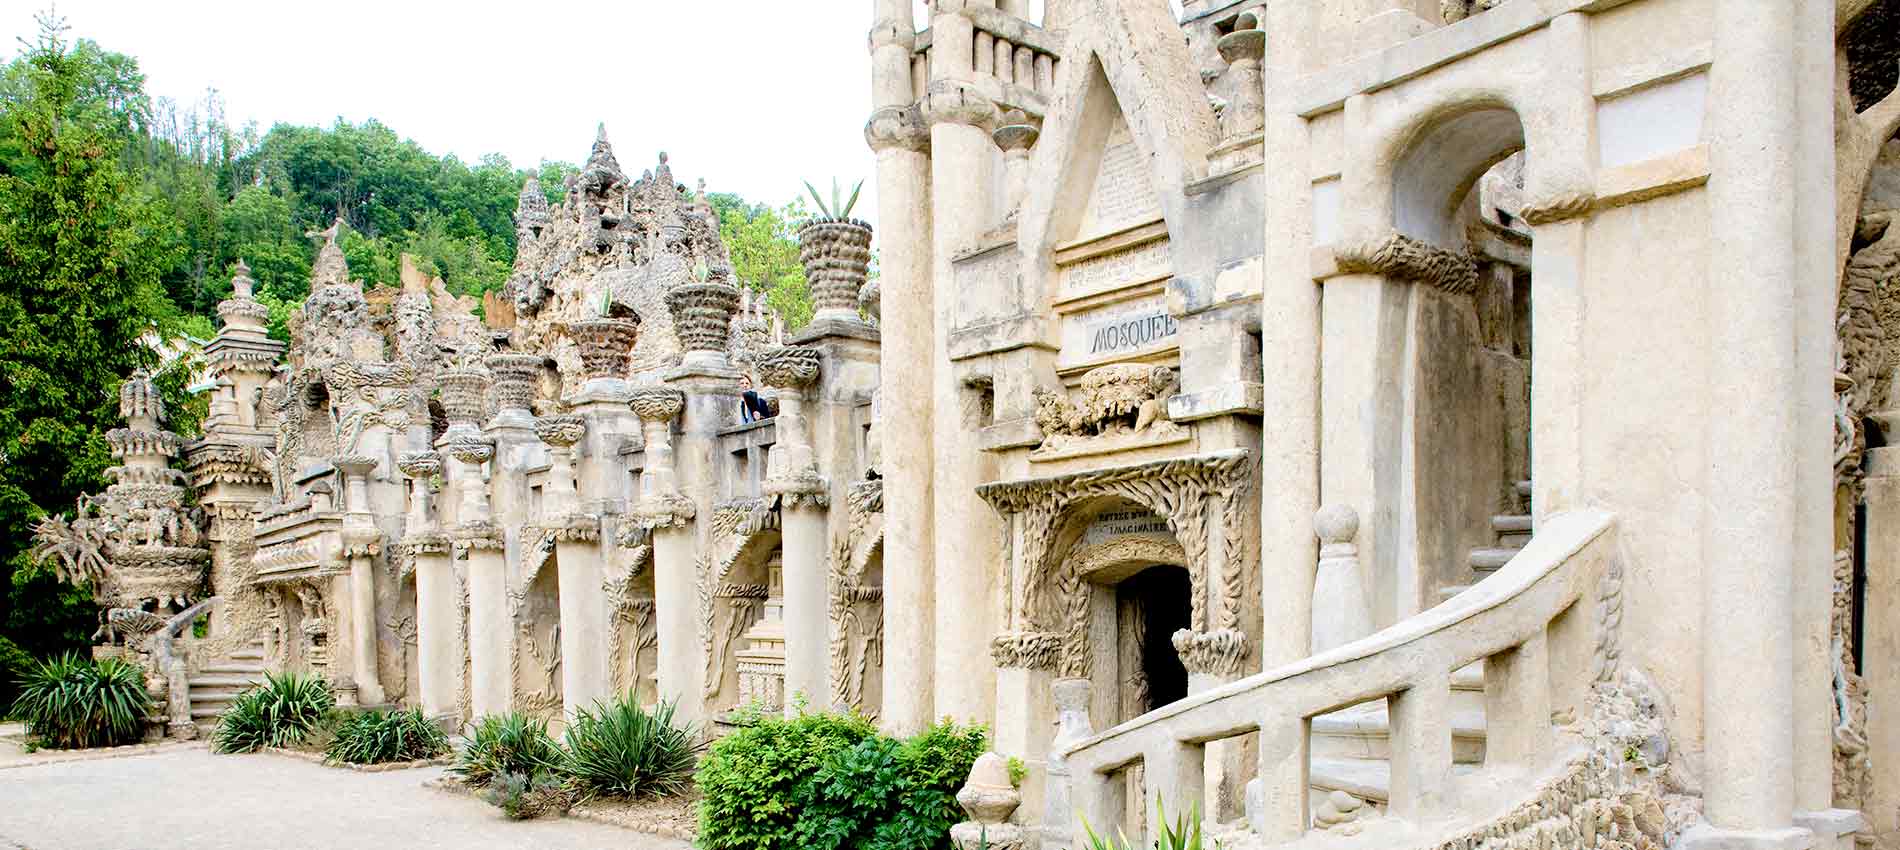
(167, 662)
(1514, 621)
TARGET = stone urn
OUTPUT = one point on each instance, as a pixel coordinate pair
(836, 253)
(988, 798)
(702, 318)
(464, 392)
(515, 378)
(606, 345)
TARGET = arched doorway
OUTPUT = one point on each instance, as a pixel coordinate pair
(1151, 606)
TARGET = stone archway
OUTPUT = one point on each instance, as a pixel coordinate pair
(1139, 596)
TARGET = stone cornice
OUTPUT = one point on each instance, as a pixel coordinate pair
(1228, 465)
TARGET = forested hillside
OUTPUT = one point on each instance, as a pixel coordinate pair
(120, 217)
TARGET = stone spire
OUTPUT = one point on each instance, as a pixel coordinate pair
(330, 268)
(531, 210)
(602, 171)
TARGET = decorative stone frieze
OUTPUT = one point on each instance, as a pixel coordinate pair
(1396, 255)
(1026, 650)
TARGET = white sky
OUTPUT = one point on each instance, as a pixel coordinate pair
(751, 95)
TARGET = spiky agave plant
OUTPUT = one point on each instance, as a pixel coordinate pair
(840, 207)
(375, 737)
(507, 743)
(1183, 834)
(281, 712)
(618, 749)
(71, 702)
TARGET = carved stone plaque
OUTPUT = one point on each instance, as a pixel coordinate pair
(1112, 524)
(1124, 192)
(1140, 264)
(1117, 331)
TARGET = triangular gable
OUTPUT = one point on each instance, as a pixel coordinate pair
(1126, 63)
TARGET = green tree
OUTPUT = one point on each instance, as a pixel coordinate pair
(763, 243)
(83, 249)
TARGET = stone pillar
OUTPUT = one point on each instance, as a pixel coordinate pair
(1341, 613)
(793, 477)
(362, 542)
(438, 599)
(1059, 825)
(669, 514)
(907, 365)
(1880, 670)
(1749, 510)
(586, 673)
(965, 533)
(491, 690)
(1290, 360)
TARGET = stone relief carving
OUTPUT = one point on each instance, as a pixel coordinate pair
(856, 610)
(1399, 256)
(1121, 405)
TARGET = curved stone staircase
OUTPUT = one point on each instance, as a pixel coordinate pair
(216, 684)
(1459, 696)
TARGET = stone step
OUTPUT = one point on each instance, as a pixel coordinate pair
(207, 713)
(1514, 540)
(1511, 524)
(225, 680)
(1364, 731)
(1489, 559)
(249, 653)
(219, 696)
(228, 669)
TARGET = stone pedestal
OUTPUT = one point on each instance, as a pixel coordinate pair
(1341, 610)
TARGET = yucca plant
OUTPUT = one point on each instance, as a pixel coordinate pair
(1183, 834)
(375, 737)
(71, 702)
(507, 743)
(619, 749)
(840, 207)
(282, 712)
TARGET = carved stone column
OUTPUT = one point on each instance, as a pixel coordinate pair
(363, 543)
(793, 477)
(515, 378)
(702, 317)
(477, 539)
(585, 674)
(669, 514)
(438, 602)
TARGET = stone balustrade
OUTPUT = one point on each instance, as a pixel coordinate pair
(1505, 622)
(1014, 61)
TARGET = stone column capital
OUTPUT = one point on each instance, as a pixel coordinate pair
(473, 449)
(897, 127)
(790, 367)
(420, 465)
(355, 465)
(1017, 136)
(958, 102)
(561, 431)
(657, 404)
(464, 392)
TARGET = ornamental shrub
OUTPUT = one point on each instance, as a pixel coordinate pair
(507, 743)
(619, 749)
(282, 712)
(71, 702)
(375, 737)
(830, 782)
(756, 780)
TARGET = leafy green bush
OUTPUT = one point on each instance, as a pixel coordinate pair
(829, 781)
(282, 712)
(751, 778)
(14, 665)
(522, 796)
(69, 702)
(375, 737)
(887, 795)
(619, 749)
(507, 743)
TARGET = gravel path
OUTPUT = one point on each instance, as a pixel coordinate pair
(189, 798)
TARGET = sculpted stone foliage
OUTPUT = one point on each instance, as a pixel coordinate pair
(1119, 406)
(1399, 256)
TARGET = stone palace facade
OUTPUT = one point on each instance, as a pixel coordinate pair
(1436, 423)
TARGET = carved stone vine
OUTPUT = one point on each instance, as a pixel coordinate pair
(1396, 255)
(856, 611)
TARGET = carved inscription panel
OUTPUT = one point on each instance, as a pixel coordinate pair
(1117, 331)
(1124, 192)
(1112, 524)
(1141, 264)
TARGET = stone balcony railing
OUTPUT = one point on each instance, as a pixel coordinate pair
(1506, 622)
(1015, 61)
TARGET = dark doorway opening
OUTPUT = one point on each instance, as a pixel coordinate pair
(1164, 598)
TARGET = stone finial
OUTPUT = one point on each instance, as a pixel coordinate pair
(791, 367)
(140, 404)
(836, 254)
(561, 431)
(657, 404)
(422, 465)
(242, 286)
(1336, 525)
(989, 798)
